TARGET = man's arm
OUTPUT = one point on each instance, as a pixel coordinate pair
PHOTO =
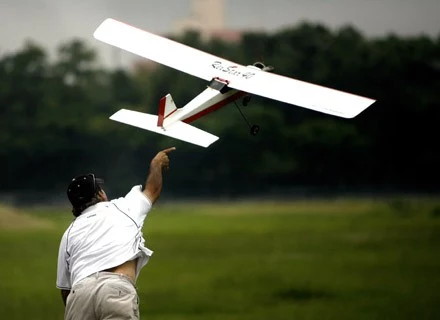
(153, 185)
(64, 295)
(63, 274)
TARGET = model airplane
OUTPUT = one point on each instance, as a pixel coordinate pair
(227, 82)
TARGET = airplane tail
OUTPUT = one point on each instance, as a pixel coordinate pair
(166, 108)
(178, 130)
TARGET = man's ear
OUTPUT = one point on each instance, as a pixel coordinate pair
(102, 195)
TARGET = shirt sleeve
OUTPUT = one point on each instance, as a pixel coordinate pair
(63, 274)
(135, 204)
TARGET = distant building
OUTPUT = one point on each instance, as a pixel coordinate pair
(208, 18)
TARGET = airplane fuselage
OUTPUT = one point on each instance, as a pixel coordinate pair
(215, 96)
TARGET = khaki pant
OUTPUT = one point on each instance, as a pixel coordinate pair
(103, 295)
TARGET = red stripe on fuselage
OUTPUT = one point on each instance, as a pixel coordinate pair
(216, 106)
(161, 112)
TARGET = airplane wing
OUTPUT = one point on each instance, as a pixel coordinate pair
(302, 94)
(244, 78)
(159, 49)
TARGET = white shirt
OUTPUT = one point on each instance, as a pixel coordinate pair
(104, 236)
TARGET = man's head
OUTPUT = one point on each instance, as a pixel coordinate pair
(85, 190)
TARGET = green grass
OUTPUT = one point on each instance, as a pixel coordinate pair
(342, 259)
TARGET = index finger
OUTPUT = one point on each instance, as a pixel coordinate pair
(169, 150)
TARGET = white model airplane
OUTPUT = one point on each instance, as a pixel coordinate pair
(228, 82)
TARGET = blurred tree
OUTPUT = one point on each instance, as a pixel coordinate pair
(54, 117)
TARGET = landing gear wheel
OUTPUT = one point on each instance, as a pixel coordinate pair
(254, 130)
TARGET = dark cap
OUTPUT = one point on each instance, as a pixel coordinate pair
(83, 188)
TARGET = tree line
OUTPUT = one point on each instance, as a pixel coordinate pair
(54, 118)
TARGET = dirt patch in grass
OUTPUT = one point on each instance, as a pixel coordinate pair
(336, 206)
(15, 219)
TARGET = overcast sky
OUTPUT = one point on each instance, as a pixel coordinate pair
(50, 22)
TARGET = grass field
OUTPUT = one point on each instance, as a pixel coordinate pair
(341, 259)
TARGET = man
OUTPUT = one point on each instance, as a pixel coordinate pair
(102, 251)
